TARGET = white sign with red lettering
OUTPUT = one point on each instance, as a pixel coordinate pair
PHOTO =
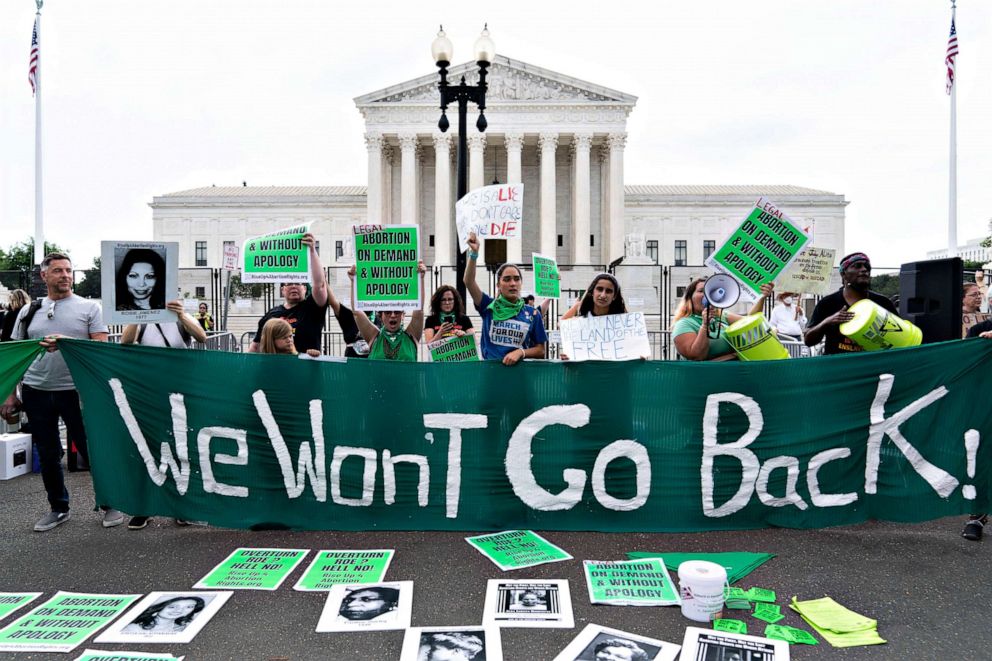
(492, 212)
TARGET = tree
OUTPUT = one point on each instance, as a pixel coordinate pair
(21, 255)
(886, 284)
(90, 285)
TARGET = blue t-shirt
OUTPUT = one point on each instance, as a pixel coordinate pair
(501, 337)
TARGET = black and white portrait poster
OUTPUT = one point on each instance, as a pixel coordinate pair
(447, 643)
(137, 279)
(596, 643)
(165, 617)
(521, 603)
(709, 645)
(367, 607)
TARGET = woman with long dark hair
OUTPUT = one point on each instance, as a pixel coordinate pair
(602, 297)
(447, 317)
(168, 616)
(140, 281)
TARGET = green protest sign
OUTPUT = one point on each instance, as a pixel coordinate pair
(454, 349)
(386, 276)
(63, 622)
(332, 568)
(516, 549)
(97, 655)
(11, 601)
(277, 257)
(547, 281)
(891, 435)
(630, 583)
(759, 249)
(253, 569)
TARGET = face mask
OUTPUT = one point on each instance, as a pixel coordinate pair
(787, 300)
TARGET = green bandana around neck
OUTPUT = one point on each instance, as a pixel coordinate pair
(503, 309)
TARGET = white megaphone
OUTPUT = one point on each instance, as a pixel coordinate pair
(720, 291)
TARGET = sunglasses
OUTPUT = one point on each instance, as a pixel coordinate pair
(51, 310)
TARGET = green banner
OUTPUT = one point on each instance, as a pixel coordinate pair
(277, 257)
(638, 446)
(630, 583)
(516, 549)
(253, 569)
(11, 601)
(15, 359)
(457, 349)
(547, 280)
(386, 275)
(63, 622)
(332, 568)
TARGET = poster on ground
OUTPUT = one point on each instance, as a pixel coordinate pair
(101, 655)
(165, 617)
(598, 642)
(253, 569)
(608, 337)
(547, 279)
(137, 280)
(63, 622)
(11, 601)
(630, 583)
(759, 249)
(455, 349)
(528, 603)
(333, 567)
(277, 257)
(710, 644)
(367, 607)
(386, 276)
(492, 212)
(809, 272)
(516, 549)
(468, 642)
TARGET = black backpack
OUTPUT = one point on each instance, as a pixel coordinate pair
(29, 315)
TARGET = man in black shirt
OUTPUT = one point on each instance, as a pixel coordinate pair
(832, 310)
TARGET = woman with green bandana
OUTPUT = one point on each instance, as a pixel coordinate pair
(393, 341)
(511, 331)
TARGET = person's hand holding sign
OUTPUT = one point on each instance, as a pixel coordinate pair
(473, 244)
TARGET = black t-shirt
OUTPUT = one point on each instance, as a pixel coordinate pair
(980, 327)
(835, 342)
(307, 319)
(462, 323)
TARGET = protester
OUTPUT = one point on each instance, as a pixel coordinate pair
(511, 330)
(169, 616)
(369, 604)
(393, 341)
(832, 310)
(447, 317)
(278, 337)
(696, 321)
(16, 300)
(975, 526)
(47, 388)
(971, 307)
(204, 319)
(449, 646)
(542, 309)
(306, 314)
(788, 318)
(140, 281)
(602, 297)
(619, 649)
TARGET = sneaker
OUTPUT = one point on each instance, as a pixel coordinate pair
(138, 522)
(972, 530)
(182, 522)
(51, 520)
(112, 518)
(187, 522)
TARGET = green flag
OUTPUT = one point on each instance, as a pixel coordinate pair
(15, 358)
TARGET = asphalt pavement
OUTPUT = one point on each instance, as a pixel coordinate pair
(928, 588)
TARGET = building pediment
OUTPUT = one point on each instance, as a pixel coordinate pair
(510, 82)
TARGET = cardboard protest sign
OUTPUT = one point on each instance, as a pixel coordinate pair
(165, 617)
(809, 272)
(630, 583)
(626, 646)
(11, 601)
(367, 607)
(331, 568)
(608, 337)
(759, 249)
(528, 603)
(231, 254)
(516, 549)
(386, 276)
(277, 256)
(253, 569)
(137, 280)
(492, 212)
(454, 349)
(547, 280)
(98, 655)
(63, 622)
(710, 644)
(469, 642)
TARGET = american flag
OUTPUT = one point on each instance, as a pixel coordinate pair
(952, 52)
(35, 54)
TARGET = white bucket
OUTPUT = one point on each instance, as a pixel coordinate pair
(701, 586)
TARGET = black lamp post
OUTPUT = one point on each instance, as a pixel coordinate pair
(462, 93)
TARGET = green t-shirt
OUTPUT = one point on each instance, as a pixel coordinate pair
(692, 324)
(405, 351)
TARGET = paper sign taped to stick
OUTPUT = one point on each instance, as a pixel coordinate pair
(231, 254)
(454, 349)
(547, 281)
(253, 569)
(492, 212)
(386, 276)
(337, 567)
(609, 337)
(759, 249)
(277, 256)
(63, 622)
(809, 272)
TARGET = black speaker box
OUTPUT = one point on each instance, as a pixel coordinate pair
(930, 297)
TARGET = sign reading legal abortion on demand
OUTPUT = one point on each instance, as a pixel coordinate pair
(492, 212)
(809, 272)
(277, 257)
(386, 275)
(454, 349)
(759, 249)
(609, 337)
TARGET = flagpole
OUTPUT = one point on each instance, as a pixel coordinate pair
(952, 212)
(39, 225)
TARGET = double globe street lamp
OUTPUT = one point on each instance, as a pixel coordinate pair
(442, 51)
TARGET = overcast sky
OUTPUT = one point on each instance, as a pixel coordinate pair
(146, 98)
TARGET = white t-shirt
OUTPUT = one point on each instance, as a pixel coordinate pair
(155, 335)
(784, 320)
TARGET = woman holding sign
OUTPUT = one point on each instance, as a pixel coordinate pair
(602, 297)
(393, 341)
(695, 320)
(511, 331)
